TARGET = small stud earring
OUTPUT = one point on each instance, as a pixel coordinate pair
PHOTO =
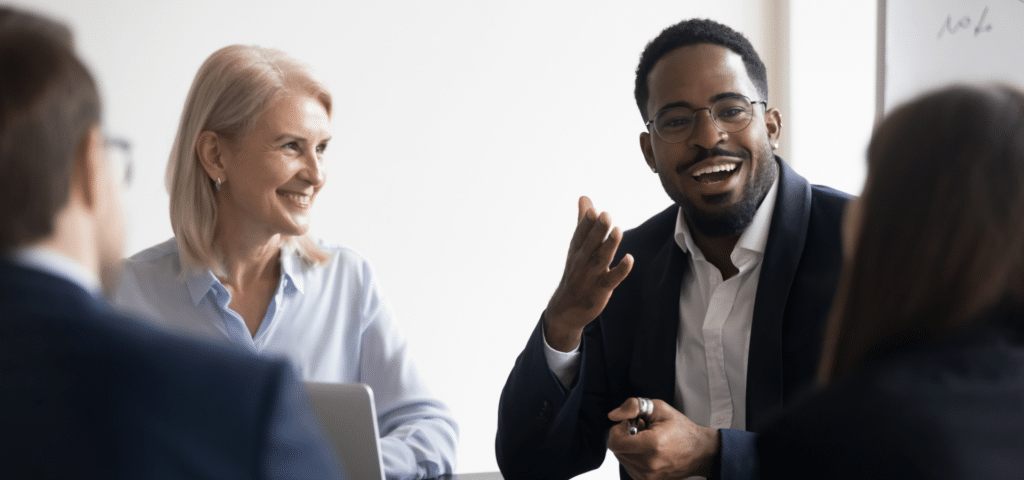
(218, 184)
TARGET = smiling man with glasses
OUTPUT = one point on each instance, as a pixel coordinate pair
(719, 300)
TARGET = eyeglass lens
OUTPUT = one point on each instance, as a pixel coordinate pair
(730, 114)
(119, 156)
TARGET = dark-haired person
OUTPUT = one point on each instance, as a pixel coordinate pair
(923, 366)
(86, 392)
(719, 300)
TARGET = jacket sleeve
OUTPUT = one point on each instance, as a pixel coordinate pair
(544, 429)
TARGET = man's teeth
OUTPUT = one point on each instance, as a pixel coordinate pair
(727, 167)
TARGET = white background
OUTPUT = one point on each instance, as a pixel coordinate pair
(464, 132)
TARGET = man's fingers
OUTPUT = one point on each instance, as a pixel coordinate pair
(619, 440)
(606, 251)
(629, 463)
(584, 205)
(622, 443)
(629, 409)
(618, 274)
(585, 223)
(595, 237)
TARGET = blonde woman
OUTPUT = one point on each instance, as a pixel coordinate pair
(244, 171)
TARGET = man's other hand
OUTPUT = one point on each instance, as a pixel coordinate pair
(588, 281)
(669, 446)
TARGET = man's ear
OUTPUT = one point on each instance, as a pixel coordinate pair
(87, 175)
(210, 148)
(773, 122)
(648, 151)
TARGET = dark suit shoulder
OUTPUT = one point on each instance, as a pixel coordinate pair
(824, 192)
(117, 397)
(828, 201)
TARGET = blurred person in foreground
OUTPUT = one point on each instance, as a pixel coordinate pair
(922, 373)
(86, 392)
(245, 169)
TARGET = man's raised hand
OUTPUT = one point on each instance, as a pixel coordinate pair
(588, 280)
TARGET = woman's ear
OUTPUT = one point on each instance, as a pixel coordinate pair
(211, 149)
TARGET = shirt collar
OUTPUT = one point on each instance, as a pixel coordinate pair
(60, 265)
(202, 281)
(754, 238)
(199, 282)
(291, 266)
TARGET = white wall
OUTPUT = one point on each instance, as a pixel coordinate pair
(463, 133)
(832, 89)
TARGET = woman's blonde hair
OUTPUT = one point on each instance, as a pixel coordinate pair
(232, 89)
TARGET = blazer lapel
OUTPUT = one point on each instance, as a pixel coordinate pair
(786, 238)
(653, 371)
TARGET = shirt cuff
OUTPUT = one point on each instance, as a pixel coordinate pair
(564, 365)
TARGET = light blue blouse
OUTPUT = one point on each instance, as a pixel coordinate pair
(334, 325)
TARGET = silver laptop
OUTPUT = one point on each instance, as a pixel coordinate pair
(347, 414)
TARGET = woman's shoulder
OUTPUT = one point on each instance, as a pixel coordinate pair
(341, 261)
(938, 376)
(161, 258)
(156, 253)
(151, 277)
(940, 408)
(336, 250)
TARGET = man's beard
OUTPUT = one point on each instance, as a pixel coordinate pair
(734, 220)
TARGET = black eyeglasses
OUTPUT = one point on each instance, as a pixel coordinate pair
(730, 114)
(119, 157)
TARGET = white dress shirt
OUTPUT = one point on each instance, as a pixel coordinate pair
(330, 321)
(714, 327)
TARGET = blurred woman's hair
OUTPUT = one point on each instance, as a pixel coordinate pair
(940, 246)
(232, 89)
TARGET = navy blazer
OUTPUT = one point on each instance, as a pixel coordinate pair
(546, 431)
(88, 393)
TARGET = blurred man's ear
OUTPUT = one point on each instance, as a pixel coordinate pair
(90, 165)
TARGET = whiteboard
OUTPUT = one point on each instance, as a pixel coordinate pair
(932, 43)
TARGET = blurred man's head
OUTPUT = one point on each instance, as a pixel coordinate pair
(56, 186)
(14, 20)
